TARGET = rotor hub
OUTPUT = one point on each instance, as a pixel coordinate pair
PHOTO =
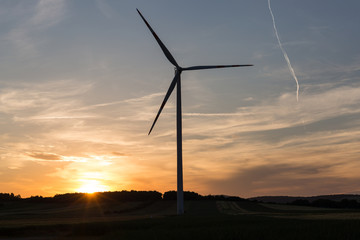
(178, 69)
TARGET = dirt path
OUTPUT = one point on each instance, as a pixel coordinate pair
(229, 207)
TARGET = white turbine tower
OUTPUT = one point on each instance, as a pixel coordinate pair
(177, 82)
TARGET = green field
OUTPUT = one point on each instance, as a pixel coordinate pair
(158, 220)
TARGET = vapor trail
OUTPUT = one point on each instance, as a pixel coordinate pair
(285, 54)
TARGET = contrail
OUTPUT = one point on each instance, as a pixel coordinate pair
(285, 54)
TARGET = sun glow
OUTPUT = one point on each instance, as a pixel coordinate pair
(92, 186)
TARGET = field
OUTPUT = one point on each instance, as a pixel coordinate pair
(157, 220)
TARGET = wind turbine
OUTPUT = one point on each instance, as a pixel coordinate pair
(177, 82)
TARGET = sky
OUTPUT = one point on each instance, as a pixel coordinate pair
(81, 82)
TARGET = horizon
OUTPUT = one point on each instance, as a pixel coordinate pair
(187, 191)
(80, 85)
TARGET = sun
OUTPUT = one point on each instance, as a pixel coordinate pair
(92, 186)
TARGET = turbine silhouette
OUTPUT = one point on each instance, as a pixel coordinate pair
(177, 82)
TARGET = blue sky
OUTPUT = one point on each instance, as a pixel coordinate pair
(81, 82)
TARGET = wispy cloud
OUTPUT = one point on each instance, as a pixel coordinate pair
(281, 112)
(268, 136)
(52, 95)
(54, 124)
(46, 14)
(45, 156)
(272, 136)
(284, 53)
(285, 179)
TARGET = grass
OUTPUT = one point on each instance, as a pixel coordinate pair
(157, 220)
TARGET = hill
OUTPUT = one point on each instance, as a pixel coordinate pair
(290, 199)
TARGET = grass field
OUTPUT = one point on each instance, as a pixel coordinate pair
(157, 220)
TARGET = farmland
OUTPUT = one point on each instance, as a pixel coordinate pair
(203, 219)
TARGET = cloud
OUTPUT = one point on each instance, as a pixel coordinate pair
(278, 146)
(119, 154)
(46, 14)
(52, 95)
(283, 179)
(212, 114)
(45, 156)
(60, 121)
(280, 113)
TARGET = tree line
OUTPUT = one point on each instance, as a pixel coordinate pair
(9, 197)
(146, 196)
(327, 203)
(122, 196)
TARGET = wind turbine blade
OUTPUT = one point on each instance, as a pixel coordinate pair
(215, 66)
(162, 46)
(171, 88)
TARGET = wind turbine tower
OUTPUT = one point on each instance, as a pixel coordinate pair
(177, 82)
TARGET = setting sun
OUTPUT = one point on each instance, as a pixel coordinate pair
(91, 186)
